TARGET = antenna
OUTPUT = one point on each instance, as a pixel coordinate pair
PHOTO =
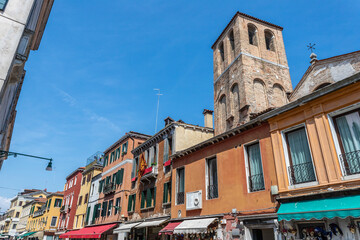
(157, 109)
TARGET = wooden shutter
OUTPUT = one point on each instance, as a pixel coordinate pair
(165, 193)
(100, 186)
(148, 197)
(134, 201)
(122, 175)
(130, 203)
(154, 196)
(87, 216)
(142, 204)
(49, 203)
(166, 150)
(169, 187)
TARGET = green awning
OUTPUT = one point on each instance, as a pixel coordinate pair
(26, 234)
(341, 207)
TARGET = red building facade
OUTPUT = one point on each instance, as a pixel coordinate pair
(71, 194)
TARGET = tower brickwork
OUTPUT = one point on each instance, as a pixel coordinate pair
(251, 73)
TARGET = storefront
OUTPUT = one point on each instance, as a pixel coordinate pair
(203, 228)
(168, 231)
(145, 230)
(103, 232)
(327, 218)
(124, 230)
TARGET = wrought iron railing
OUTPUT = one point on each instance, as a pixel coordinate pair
(301, 173)
(180, 197)
(256, 182)
(108, 188)
(213, 191)
(350, 163)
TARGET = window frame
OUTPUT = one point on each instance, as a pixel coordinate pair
(247, 164)
(51, 225)
(207, 177)
(336, 137)
(3, 8)
(177, 185)
(286, 150)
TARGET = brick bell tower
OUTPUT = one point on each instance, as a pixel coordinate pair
(251, 73)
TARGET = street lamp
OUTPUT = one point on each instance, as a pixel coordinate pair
(15, 154)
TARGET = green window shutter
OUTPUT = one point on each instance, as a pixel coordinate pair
(118, 177)
(130, 202)
(124, 148)
(169, 191)
(100, 186)
(165, 193)
(148, 197)
(134, 201)
(121, 175)
(142, 204)
(154, 196)
(60, 202)
(104, 210)
(87, 216)
(95, 212)
(49, 204)
(114, 178)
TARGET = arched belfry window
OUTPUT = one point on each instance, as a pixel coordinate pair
(252, 31)
(269, 40)
(232, 40)
(221, 50)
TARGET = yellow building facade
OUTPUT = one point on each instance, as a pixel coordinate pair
(91, 170)
(44, 216)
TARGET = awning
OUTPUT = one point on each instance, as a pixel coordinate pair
(88, 232)
(125, 227)
(167, 163)
(194, 226)
(26, 234)
(151, 223)
(169, 229)
(342, 207)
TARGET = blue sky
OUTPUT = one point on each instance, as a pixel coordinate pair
(93, 77)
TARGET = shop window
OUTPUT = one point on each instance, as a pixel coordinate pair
(212, 179)
(301, 168)
(347, 128)
(180, 186)
(254, 168)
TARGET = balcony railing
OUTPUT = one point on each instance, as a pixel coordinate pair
(301, 173)
(350, 163)
(256, 182)
(109, 188)
(180, 198)
(213, 191)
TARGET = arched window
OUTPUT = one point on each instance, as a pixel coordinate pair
(235, 98)
(259, 95)
(269, 40)
(221, 50)
(321, 86)
(231, 40)
(279, 96)
(252, 34)
(222, 108)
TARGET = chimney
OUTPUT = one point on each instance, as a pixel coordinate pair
(208, 118)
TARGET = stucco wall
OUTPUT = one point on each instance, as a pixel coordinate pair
(186, 137)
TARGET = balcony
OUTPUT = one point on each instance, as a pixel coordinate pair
(62, 209)
(109, 188)
(256, 182)
(301, 173)
(150, 172)
(212, 191)
(350, 163)
(180, 198)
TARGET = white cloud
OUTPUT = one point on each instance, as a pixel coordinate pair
(4, 203)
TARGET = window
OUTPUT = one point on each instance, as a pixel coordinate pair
(88, 177)
(131, 203)
(112, 157)
(87, 215)
(301, 169)
(117, 155)
(106, 161)
(167, 149)
(124, 148)
(83, 180)
(17, 214)
(269, 40)
(117, 206)
(110, 207)
(104, 209)
(180, 190)
(134, 167)
(221, 50)
(3, 4)
(254, 168)
(86, 198)
(57, 202)
(211, 181)
(80, 200)
(49, 204)
(231, 40)
(252, 32)
(148, 198)
(53, 221)
(167, 192)
(101, 185)
(20, 203)
(14, 226)
(75, 180)
(119, 177)
(347, 127)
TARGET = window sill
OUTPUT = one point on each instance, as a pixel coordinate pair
(350, 177)
(166, 204)
(303, 185)
(261, 190)
(147, 209)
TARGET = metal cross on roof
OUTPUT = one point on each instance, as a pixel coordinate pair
(311, 47)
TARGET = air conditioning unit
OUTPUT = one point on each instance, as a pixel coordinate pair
(194, 200)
